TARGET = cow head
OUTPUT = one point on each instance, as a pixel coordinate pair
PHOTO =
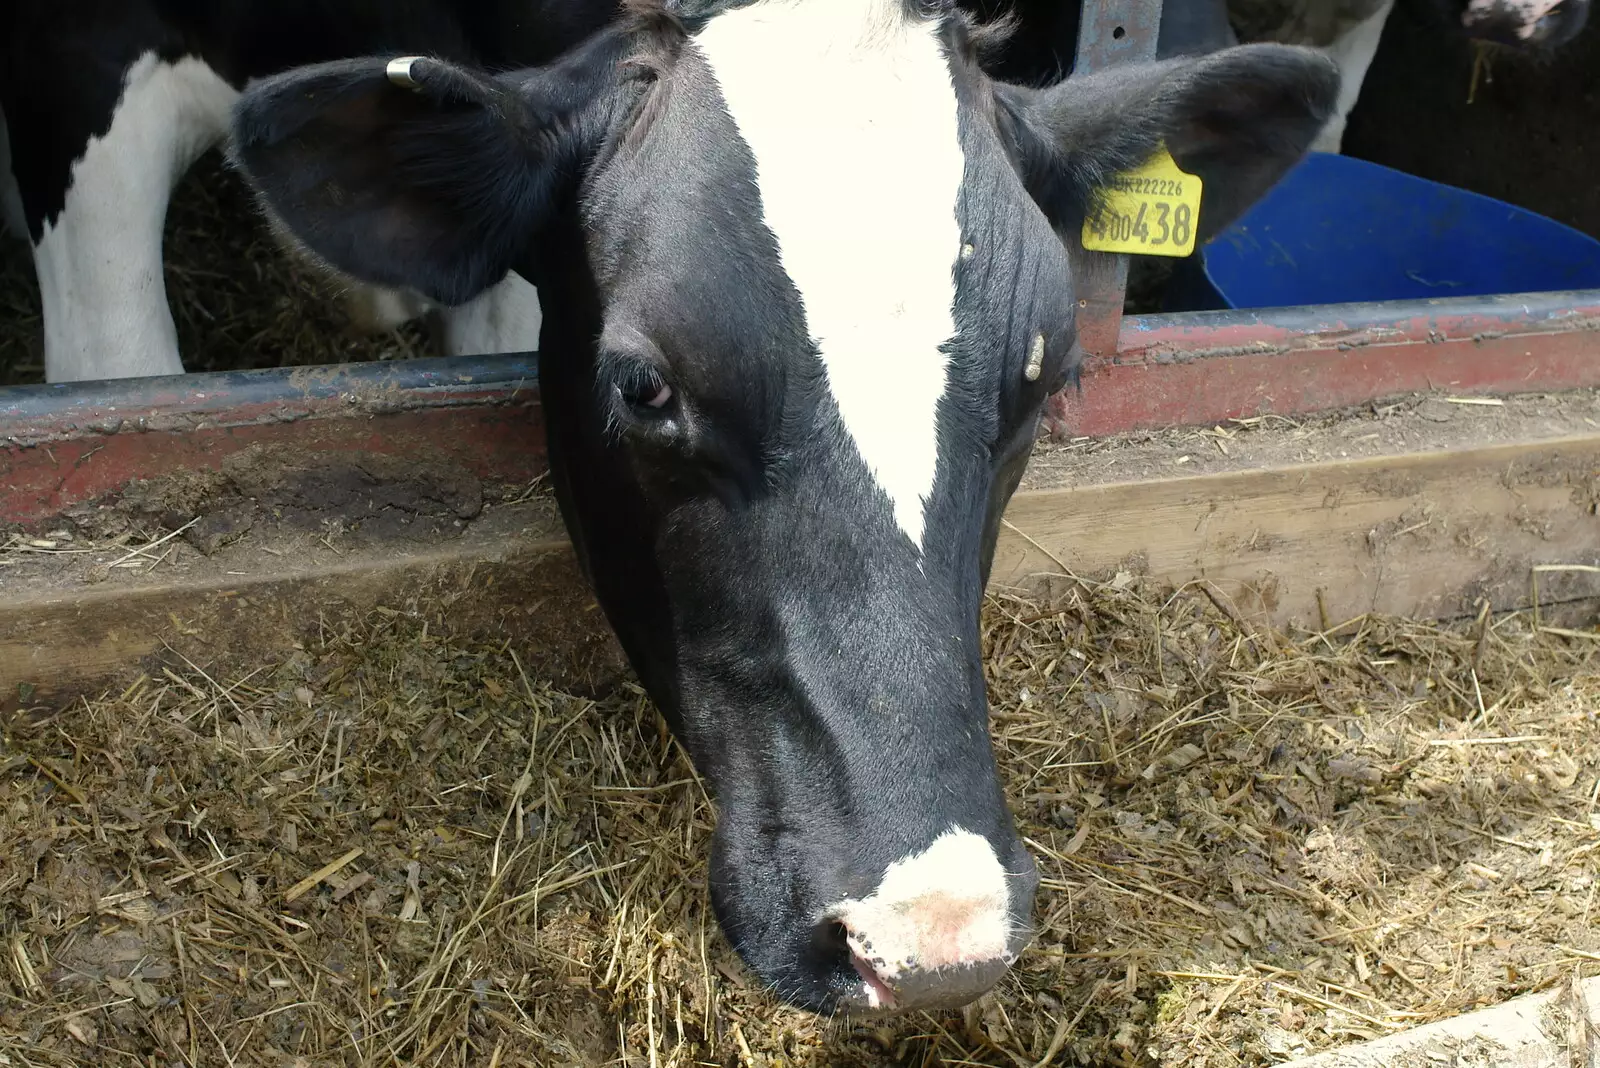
(804, 296)
(1520, 23)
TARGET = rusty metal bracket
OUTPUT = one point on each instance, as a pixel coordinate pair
(1110, 32)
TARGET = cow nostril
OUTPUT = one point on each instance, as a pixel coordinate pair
(838, 947)
(939, 929)
(1550, 25)
(834, 938)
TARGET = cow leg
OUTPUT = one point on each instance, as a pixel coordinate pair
(99, 258)
(12, 218)
(506, 318)
(1353, 51)
(376, 310)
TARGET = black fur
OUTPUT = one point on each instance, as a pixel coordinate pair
(1238, 119)
(460, 169)
(823, 673)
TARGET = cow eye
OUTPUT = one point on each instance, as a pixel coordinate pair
(645, 392)
(652, 397)
(643, 403)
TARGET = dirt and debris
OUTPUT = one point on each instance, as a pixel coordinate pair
(1420, 422)
(399, 847)
(272, 495)
(370, 494)
(272, 502)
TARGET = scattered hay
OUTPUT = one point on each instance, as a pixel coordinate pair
(397, 848)
(140, 545)
(239, 301)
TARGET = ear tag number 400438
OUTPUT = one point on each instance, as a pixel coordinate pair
(1150, 211)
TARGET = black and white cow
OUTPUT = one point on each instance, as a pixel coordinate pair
(109, 102)
(804, 295)
(104, 104)
(1347, 31)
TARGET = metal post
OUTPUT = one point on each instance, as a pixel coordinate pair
(1110, 32)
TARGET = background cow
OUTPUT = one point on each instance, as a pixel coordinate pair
(1347, 31)
(108, 102)
(804, 295)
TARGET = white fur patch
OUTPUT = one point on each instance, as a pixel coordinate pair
(1353, 52)
(850, 113)
(99, 262)
(947, 906)
(374, 309)
(504, 318)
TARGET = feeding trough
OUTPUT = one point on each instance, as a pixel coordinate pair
(361, 525)
(1340, 230)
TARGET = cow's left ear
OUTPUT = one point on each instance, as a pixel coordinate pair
(1239, 119)
(419, 174)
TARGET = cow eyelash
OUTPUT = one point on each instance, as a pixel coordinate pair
(637, 398)
(645, 391)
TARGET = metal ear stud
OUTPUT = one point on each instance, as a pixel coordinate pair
(399, 71)
(1035, 359)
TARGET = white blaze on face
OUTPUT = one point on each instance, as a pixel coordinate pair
(945, 907)
(850, 113)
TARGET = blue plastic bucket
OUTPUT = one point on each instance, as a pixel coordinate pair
(1338, 230)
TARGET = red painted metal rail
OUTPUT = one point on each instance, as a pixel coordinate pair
(1205, 367)
(63, 445)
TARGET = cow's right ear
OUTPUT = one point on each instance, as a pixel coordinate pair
(1238, 118)
(415, 173)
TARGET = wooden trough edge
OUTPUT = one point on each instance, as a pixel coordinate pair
(1425, 534)
(528, 590)
(1556, 1029)
(1428, 535)
(62, 445)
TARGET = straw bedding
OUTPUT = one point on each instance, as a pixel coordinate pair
(399, 848)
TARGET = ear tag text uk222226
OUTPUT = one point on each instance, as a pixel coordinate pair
(1152, 210)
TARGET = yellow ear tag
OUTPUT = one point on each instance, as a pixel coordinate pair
(1150, 211)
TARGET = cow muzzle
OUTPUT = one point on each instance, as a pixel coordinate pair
(941, 928)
